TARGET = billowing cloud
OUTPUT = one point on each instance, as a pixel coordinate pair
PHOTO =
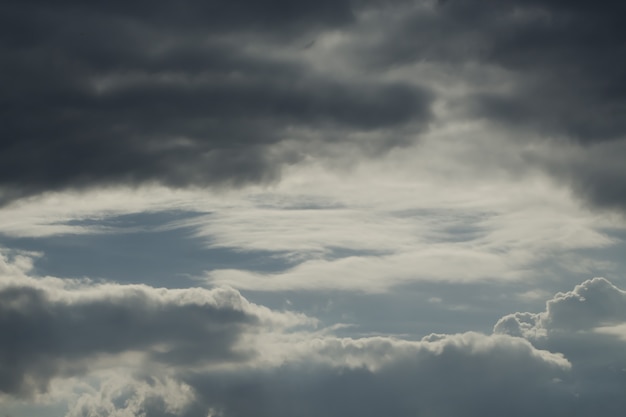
(411, 378)
(139, 350)
(451, 375)
(53, 328)
(592, 304)
(366, 377)
(120, 396)
(586, 325)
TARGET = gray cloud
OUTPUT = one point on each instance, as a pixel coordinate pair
(108, 93)
(203, 92)
(593, 303)
(50, 333)
(477, 371)
(150, 397)
(565, 60)
(367, 377)
(211, 352)
(560, 69)
(442, 375)
(587, 326)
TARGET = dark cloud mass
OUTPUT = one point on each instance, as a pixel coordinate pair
(107, 92)
(566, 59)
(566, 66)
(197, 93)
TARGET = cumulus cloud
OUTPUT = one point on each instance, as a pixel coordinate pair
(593, 303)
(120, 397)
(54, 328)
(467, 374)
(409, 378)
(366, 377)
(586, 325)
(139, 350)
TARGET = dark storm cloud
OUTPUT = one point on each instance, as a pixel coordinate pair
(565, 66)
(197, 93)
(48, 333)
(107, 92)
(596, 172)
(567, 58)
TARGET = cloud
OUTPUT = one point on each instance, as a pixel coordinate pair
(466, 374)
(586, 325)
(552, 70)
(339, 377)
(562, 60)
(421, 378)
(59, 328)
(192, 95)
(134, 349)
(232, 93)
(119, 396)
(378, 273)
(593, 303)
(384, 224)
(581, 323)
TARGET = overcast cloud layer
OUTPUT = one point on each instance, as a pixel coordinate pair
(227, 92)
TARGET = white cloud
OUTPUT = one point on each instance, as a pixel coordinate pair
(595, 303)
(452, 208)
(377, 273)
(587, 326)
(617, 330)
(120, 396)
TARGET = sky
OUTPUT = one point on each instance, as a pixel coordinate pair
(288, 208)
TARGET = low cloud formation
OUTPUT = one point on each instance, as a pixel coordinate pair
(450, 375)
(592, 304)
(56, 328)
(586, 325)
(117, 350)
(150, 397)
(467, 374)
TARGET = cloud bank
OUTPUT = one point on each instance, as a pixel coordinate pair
(139, 350)
(55, 328)
(229, 93)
